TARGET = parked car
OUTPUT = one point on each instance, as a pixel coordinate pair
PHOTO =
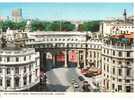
(76, 85)
(81, 78)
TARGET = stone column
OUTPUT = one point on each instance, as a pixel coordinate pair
(84, 58)
(28, 75)
(12, 78)
(66, 58)
(21, 79)
(78, 59)
(4, 79)
(54, 60)
(44, 59)
(41, 59)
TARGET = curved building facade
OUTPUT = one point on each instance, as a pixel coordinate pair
(117, 65)
(19, 69)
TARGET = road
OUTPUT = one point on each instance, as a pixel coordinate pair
(60, 80)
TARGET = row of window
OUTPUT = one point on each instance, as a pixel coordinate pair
(16, 81)
(94, 53)
(119, 53)
(127, 71)
(118, 88)
(119, 62)
(122, 32)
(124, 27)
(58, 39)
(17, 71)
(16, 59)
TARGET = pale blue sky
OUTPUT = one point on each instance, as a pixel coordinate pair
(68, 11)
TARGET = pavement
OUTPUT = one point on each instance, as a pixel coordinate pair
(60, 80)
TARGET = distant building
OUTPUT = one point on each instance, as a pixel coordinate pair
(17, 15)
(119, 26)
(3, 18)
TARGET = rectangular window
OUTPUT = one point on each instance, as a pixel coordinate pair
(108, 68)
(128, 89)
(120, 54)
(25, 80)
(119, 72)
(8, 59)
(113, 61)
(114, 71)
(8, 70)
(128, 71)
(90, 54)
(0, 59)
(119, 87)
(25, 58)
(17, 81)
(113, 86)
(128, 63)
(119, 62)
(0, 81)
(24, 70)
(17, 70)
(128, 54)
(17, 59)
(36, 72)
(94, 54)
(127, 81)
(107, 51)
(29, 78)
(0, 70)
(114, 53)
(119, 80)
(104, 66)
(8, 83)
(107, 84)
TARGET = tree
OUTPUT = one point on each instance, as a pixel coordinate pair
(68, 26)
(92, 26)
(21, 25)
(81, 27)
(9, 24)
(37, 25)
(54, 26)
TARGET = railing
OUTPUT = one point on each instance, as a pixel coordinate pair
(118, 47)
(16, 52)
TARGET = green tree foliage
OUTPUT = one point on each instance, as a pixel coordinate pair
(12, 25)
(52, 26)
(21, 25)
(92, 26)
(81, 27)
(67, 26)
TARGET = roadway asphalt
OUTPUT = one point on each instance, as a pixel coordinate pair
(60, 80)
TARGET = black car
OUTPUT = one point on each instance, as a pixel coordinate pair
(81, 78)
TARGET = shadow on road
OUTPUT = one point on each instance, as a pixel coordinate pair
(57, 88)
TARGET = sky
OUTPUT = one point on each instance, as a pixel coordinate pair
(68, 11)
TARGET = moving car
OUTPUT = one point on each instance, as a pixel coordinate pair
(81, 78)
